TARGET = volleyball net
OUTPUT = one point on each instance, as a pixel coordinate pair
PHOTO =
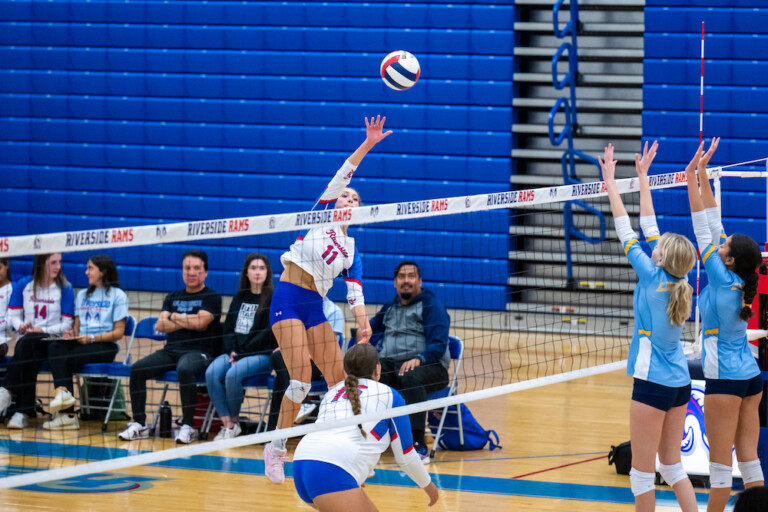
(535, 282)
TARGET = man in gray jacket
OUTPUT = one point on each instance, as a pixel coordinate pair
(414, 346)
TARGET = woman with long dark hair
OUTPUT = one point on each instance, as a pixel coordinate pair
(734, 386)
(100, 315)
(41, 305)
(248, 343)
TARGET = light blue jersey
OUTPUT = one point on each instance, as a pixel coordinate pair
(725, 352)
(655, 354)
(100, 310)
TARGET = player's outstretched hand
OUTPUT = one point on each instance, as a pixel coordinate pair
(643, 164)
(690, 169)
(608, 164)
(702, 166)
(374, 130)
(431, 491)
(364, 332)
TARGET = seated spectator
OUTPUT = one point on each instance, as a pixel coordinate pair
(41, 305)
(190, 317)
(248, 342)
(6, 288)
(414, 346)
(100, 314)
(335, 317)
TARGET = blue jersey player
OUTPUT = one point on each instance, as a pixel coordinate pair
(662, 304)
(734, 385)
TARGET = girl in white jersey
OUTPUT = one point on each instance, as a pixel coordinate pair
(661, 305)
(5, 297)
(734, 384)
(331, 465)
(41, 305)
(296, 312)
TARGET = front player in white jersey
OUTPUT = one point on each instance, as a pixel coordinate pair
(331, 465)
(296, 312)
(41, 305)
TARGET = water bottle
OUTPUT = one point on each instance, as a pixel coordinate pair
(165, 420)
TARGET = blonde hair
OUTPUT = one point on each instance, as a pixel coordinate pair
(677, 258)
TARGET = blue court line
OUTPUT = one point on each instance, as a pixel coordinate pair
(386, 477)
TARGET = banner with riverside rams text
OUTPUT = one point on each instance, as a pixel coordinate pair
(246, 226)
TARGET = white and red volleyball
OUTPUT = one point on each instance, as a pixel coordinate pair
(400, 70)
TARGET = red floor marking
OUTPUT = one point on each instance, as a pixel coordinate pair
(558, 467)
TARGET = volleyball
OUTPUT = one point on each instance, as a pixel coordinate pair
(400, 70)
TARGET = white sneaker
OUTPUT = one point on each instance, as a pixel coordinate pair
(18, 420)
(62, 422)
(5, 399)
(305, 411)
(228, 433)
(62, 400)
(134, 431)
(186, 435)
(274, 463)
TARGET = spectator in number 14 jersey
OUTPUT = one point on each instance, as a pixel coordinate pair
(42, 305)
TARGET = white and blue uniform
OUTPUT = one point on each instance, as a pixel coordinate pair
(726, 352)
(346, 448)
(50, 309)
(655, 354)
(99, 311)
(5, 325)
(325, 253)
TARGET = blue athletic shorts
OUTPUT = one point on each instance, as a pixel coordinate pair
(313, 478)
(660, 397)
(291, 301)
(740, 388)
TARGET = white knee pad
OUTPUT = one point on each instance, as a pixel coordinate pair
(672, 473)
(720, 475)
(640, 482)
(297, 391)
(751, 471)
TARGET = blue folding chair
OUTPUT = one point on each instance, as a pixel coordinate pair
(116, 371)
(456, 349)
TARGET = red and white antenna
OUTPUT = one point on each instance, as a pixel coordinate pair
(701, 89)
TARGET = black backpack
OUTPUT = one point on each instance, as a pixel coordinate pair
(621, 456)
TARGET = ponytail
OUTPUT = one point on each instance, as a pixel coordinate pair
(353, 395)
(747, 260)
(750, 291)
(680, 300)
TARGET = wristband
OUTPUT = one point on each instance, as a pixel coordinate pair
(93, 338)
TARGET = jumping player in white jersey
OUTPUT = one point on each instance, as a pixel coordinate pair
(661, 305)
(296, 312)
(331, 465)
(734, 384)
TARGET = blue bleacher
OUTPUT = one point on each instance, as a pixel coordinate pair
(125, 113)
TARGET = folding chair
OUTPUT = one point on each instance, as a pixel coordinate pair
(456, 349)
(115, 371)
(264, 381)
(146, 329)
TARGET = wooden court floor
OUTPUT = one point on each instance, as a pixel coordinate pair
(555, 440)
